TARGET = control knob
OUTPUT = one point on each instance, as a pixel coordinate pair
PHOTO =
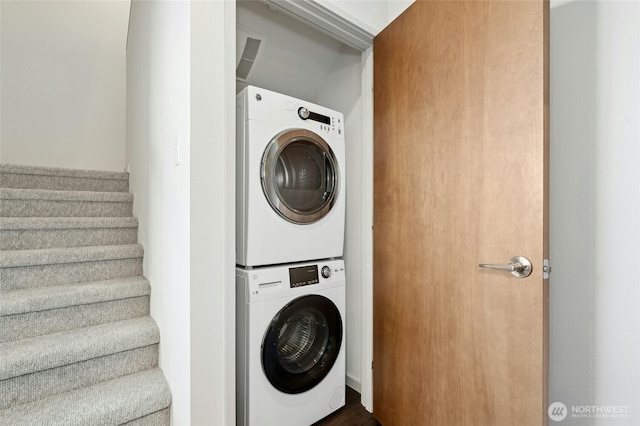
(303, 113)
(326, 272)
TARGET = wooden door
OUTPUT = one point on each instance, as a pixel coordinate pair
(460, 178)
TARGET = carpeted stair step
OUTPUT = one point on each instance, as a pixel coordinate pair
(42, 310)
(140, 399)
(14, 176)
(57, 266)
(24, 233)
(48, 203)
(77, 344)
(39, 367)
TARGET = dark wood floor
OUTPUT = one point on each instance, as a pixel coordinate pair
(352, 414)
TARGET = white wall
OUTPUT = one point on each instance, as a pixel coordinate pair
(294, 58)
(62, 88)
(158, 109)
(342, 92)
(181, 88)
(213, 188)
(595, 208)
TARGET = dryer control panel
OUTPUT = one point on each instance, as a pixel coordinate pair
(327, 123)
(276, 108)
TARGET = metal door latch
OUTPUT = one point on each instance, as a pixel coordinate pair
(546, 269)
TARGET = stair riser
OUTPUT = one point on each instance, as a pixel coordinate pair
(31, 387)
(31, 324)
(62, 183)
(51, 238)
(14, 278)
(56, 208)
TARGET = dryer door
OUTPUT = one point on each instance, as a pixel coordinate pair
(302, 344)
(300, 176)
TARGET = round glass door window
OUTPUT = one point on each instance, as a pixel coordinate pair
(300, 176)
(302, 344)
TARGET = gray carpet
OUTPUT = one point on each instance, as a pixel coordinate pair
(77, 344)
(24, 233)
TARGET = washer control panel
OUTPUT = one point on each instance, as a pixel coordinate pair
(274, 282)
(303, 275)
(308, 275)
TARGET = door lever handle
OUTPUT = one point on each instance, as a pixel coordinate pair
(519, 266)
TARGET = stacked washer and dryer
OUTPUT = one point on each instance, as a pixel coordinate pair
(290, 280)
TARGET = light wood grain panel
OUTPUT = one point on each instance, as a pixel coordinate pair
(460, 178)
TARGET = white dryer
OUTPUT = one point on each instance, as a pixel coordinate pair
(290, 343)
(290, 198)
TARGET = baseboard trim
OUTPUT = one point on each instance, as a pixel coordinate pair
(354, 383)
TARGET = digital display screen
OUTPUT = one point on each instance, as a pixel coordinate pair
(303, 275)
(319, 118)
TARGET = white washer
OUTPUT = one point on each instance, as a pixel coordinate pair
(290, 343)
(290, 180)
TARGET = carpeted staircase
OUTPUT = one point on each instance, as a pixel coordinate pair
(77, 344)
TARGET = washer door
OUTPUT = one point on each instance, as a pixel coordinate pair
(302, 344)
(300, 177)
